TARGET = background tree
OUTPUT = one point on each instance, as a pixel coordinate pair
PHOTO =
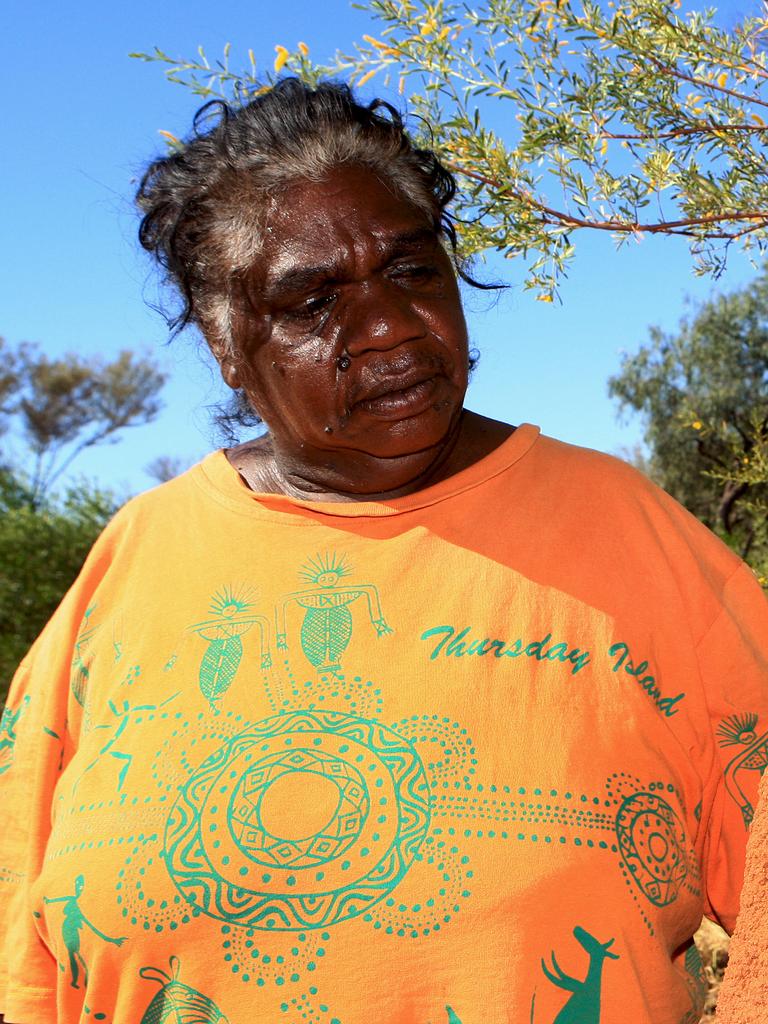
(703, 395)
(42, 549)
(60, 407)
(56, 408)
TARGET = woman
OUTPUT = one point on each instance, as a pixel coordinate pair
(395, 712)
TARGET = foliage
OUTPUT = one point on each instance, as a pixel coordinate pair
(703, 393)
(60, 407)
(41, 551)
(625, 116)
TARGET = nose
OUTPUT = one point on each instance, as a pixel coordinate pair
(381, 317)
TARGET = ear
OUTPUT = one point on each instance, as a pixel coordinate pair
(230, 373)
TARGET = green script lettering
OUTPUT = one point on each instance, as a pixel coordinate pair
(622, 655)
(452, 644)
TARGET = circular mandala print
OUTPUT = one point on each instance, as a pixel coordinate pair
(652, 843)
(301, 821)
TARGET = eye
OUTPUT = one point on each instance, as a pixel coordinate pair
(314, 310)
(422, 272)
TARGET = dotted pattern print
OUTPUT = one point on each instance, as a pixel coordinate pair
(656, 857)
(741, 731)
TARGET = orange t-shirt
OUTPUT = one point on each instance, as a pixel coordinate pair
(481, 754)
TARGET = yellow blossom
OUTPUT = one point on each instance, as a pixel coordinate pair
(696, 424)
(304, 49)
(367, 76)
(281, 58)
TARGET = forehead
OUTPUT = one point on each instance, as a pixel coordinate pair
(347, 219)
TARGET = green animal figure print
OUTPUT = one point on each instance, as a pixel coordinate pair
(223, 634)
(74, 919)
(741, 730)
(583, 1006)
(326, 628)
(8, 733)
(177, 1003)
(452, 1018)
(81, 670)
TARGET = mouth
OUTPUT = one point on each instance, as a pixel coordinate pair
(400, 396)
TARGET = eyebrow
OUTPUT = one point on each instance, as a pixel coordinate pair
(301, 279)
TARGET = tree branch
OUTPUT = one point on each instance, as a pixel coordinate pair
(659, 227)
(701, 83)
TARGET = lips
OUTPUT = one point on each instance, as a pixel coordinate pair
(400, 395)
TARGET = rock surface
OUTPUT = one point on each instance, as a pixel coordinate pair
(743, 997)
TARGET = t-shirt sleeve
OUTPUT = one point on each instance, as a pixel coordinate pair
(733, 659)
(41, 717)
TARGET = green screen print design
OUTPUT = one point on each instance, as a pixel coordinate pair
(652, 843)
(326, 628)
(72, 925)
(227, 857)
(696, 983)
(583, 1004)
(741, 731)
(285, 828)
(233, 618)
(8, 723)
(177, 1003)
(82, 657)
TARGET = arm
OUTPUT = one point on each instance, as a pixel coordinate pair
(374, 608)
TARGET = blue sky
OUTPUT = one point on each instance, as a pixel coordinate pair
(83, 122)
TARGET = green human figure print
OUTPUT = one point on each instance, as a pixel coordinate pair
(223, 634)
(81, 658)
(74, 919)
(452, 1018)
(8, 733)
(583, 1005)
(123, 717)
(741, 731)
(326, 628)
(177, 1003)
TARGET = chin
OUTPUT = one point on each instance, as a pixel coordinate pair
(400, 439)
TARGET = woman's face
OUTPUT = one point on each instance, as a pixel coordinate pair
(352, 340)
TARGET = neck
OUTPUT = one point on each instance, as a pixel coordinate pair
(359, 476)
